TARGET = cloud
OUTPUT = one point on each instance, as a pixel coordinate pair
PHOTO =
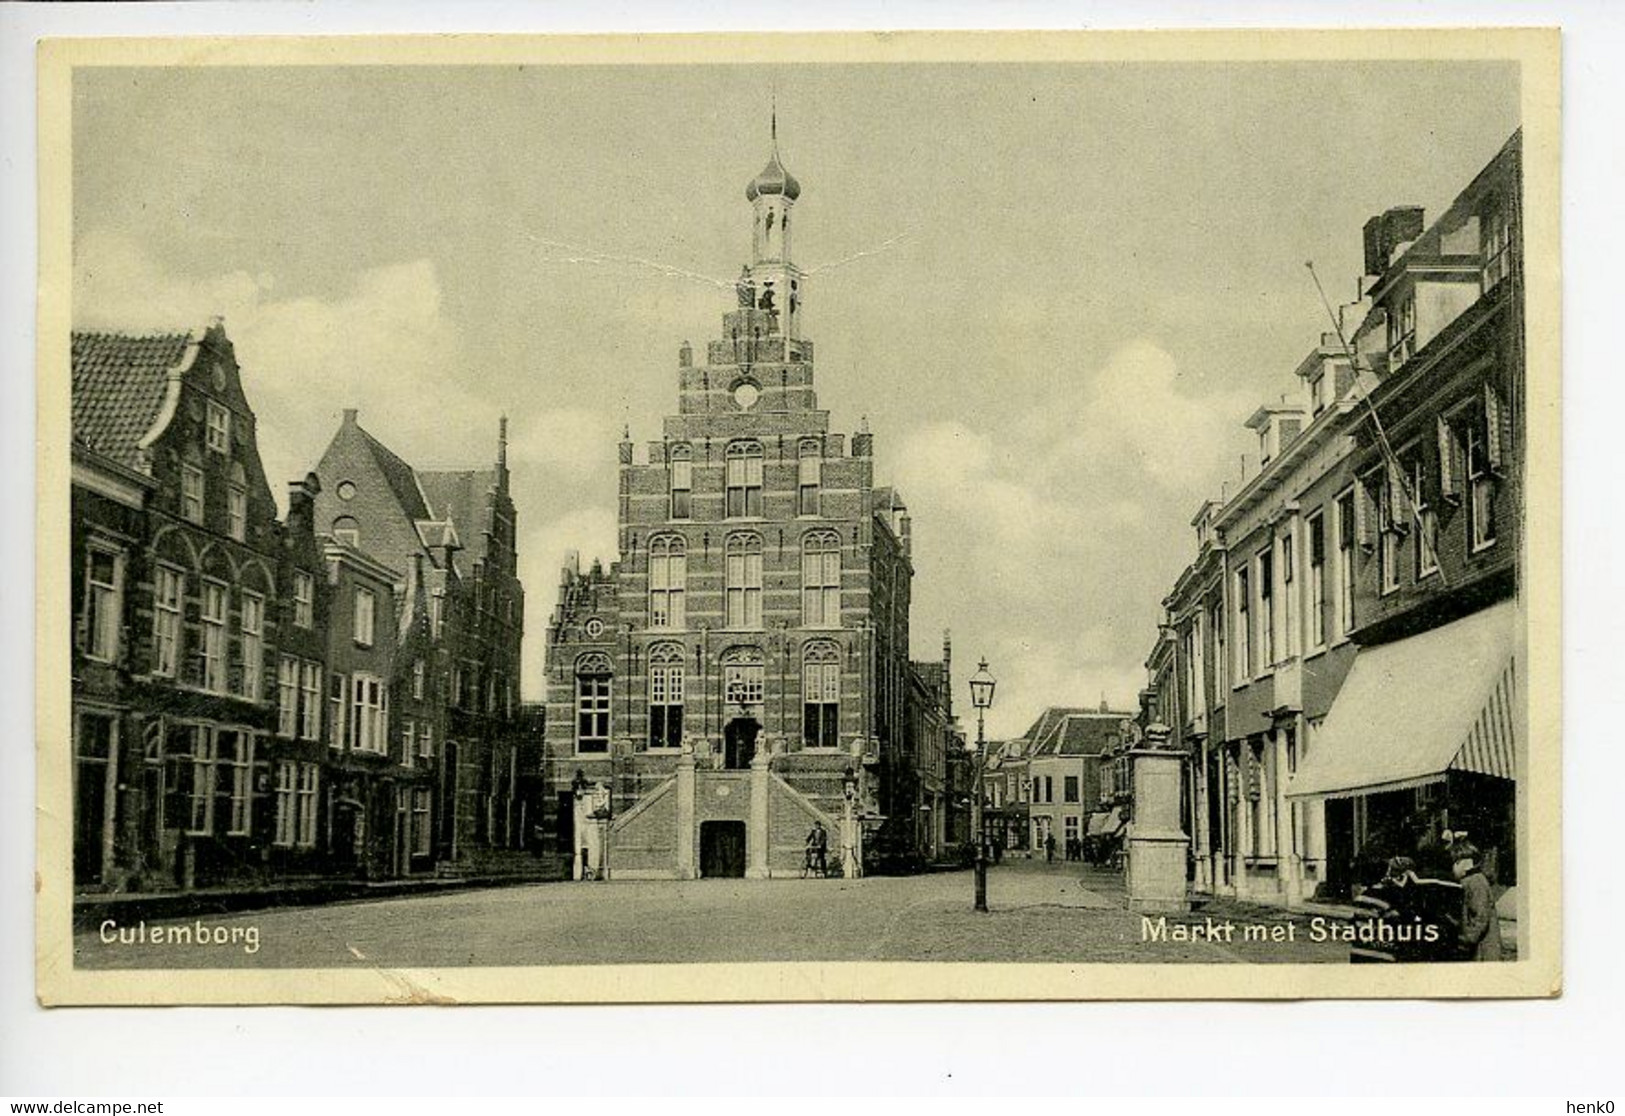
(383, 345)
(1049, 541)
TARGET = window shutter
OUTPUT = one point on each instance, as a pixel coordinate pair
(1495, 432)
(1362, 518)
(1448, 488)
(1399, 505)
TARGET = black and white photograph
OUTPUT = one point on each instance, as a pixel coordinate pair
(799, 519)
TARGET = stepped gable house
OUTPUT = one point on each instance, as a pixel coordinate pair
(448, 538)
(743, 666)
(186, 593)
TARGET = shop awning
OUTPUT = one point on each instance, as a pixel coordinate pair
(1106, 822)
(1412, 710)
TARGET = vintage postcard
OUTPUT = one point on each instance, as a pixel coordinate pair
(824, 517)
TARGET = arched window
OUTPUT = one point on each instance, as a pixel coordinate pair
(811, 476)
(743, 581)
(666, 696)
(682, 482)
(346, 530)
(821, 580)
(821, 695)
(668, 575)
(593, 674)
(744, 488)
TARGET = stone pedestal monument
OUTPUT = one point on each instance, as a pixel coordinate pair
(1157, 844)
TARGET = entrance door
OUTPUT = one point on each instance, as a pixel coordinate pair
(739, 743)
(722, 849)
(1339, 846)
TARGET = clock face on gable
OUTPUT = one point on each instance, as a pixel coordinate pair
(746, 394)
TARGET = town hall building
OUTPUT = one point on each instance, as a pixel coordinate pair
(741, 673)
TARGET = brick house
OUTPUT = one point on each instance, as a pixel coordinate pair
(445, 542)
(1366, 569)
(186, 589)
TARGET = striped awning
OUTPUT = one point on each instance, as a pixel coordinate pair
(1413, 710)
(1489, 746)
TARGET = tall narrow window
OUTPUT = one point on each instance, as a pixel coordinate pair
(1496, 248)
(104, 602)
(666, 697)
(1480, 483)
(821, 580)
(369, 714)
(310, 776)
(365, 617)
(1244, 627)
(253, 625)
(1289, 598)
(199, 775)
(421, 833)
(1317, 581)
(304, 599)
(810, 477)
(234, 780)
(310, 701)
(592, 704)
(744, 479)
(426, 741)
(338, 704)
(287, 697)
(1221, 662)
(168, 587)
(418, 683)
(1389, 530)
(668, 577)
(821, 696)
(192, 493)
(219, 428)
(1345, 562)
(1266, 609)
(682, 482)
(287, 809)
(1427, 520)
(743, 581)
(214, 638)
(237, 513)
(1402, 331)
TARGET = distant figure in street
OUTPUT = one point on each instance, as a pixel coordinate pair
(1480, 923)
(817, 849)
(1049, 848)
(998, 851)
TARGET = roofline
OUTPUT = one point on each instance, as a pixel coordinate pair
(172, 390)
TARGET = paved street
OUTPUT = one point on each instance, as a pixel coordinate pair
(1040, 912)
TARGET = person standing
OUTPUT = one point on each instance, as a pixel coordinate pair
(818, 849)
(1049, 848)
(1480, 936)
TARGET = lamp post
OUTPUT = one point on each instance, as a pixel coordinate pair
(981, 696)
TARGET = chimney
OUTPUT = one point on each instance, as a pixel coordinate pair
(350, 416)
(302, 504)
(685, 356)
(1386, 232)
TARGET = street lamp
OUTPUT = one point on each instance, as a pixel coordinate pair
(981, 696)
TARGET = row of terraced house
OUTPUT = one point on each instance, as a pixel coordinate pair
(258, 699)
(1340, 661)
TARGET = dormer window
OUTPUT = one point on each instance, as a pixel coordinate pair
(1317, 392)
(1402, 332)
(1264, 446)
(1497, 245)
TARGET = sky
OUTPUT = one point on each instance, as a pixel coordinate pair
(1055, 292)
